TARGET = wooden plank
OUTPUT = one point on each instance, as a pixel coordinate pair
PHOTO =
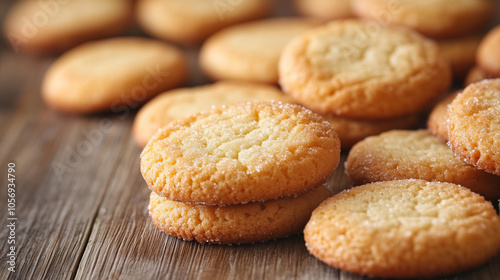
(55, 209)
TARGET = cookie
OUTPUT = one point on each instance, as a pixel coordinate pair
(474, 125)
(112, 75)
(403, 229)
(438, 118)
(400, 154)
(190, 22)
(475, 75)
(433, 18)
(46, 27)
(488, 54)
(179, 103)
(324, 9)
(343, 69)
(238, 153)
(236, 224)
(351, 131)
(250, 51)
(461, 53)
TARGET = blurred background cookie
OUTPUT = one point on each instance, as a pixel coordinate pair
(488, 54)
(191, 21)
(324, 9)
(437, 122)
(250, 51)
(46, 27)
(112, 75)
(432, 18)
(351, 131)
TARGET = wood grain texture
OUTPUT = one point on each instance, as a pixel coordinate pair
(81, 202)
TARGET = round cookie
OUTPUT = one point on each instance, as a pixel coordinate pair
(237, 153)
(474, 125)
(179, 103)
(404, 228)
(438, 118)
(461, 53)
(190, 22)
(351, 131)
(250, 51)
(112, 74)
(433, 18)
(342, 68)
(45, 27)
(324, 9)
(475, 75)
(400, 154)
(488, 54)
(236, 224)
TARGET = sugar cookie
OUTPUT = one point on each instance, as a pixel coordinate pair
(405, 228)
(45, 27)
(474, 125)
(241, 152)
(433, 18)
(343, 69)
(241, 223)
(400, 154)
(488, 54)
(461, 53)
(112, 74)
(351, 131)
(250, 51)
(324, 9)
(475, 75)
(438, 118)
(190, 22)
(179, 103)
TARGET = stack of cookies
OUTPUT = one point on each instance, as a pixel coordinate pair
(371, 78)
(457, 30)
(239, 173)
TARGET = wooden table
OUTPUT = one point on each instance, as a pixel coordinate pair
(81, 203)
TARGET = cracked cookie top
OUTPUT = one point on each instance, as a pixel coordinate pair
(404, 228)
(242, 152)
(362, 69)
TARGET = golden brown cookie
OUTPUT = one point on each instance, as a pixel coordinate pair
(342, 68)
(241, 152)
(324, 9)
(234, 224)
(401, 154)
(433, 18)
(475, 75)
(488, 54)
(474, 125)
(179, 103)
(351, 131)
(405, 228)
(112, 75)
(438, 118)
(190, 22)
(461, 53)
(45, 27)
(250, 51)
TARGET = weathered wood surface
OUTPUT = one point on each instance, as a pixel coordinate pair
(81, 203)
